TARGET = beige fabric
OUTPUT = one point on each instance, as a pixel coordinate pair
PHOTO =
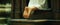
(40, 4)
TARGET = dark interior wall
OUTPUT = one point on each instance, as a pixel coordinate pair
(55, 6)
(5, 1)
(16, 9)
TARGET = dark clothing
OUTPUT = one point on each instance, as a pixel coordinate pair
(42, 14)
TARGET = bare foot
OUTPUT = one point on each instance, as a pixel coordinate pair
(27, 12)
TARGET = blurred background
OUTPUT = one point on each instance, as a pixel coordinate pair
(13, 9)
(5, 11)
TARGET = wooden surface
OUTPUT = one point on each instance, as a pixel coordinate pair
(26, 20)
